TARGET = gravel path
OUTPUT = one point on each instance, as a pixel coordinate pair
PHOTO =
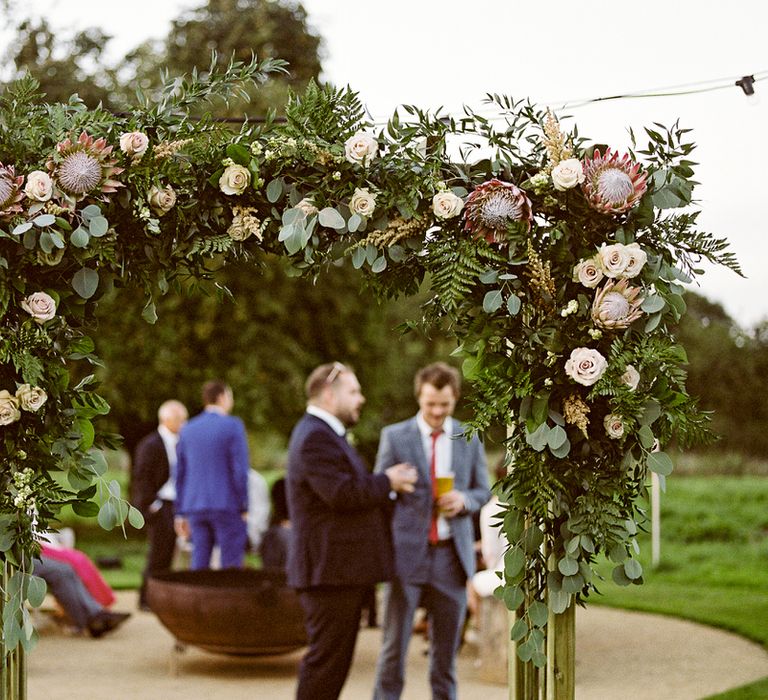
(620, 655)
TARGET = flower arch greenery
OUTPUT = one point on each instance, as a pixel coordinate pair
(557, 263)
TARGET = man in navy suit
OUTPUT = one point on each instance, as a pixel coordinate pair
(340, 541)
(154, 489)
(432, 532)
(212, 480)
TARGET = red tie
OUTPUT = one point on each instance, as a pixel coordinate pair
(432, 475)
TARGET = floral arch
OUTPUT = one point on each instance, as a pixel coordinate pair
(559, 265)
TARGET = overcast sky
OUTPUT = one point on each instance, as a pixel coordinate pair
(447, 53)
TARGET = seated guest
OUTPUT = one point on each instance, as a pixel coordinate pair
(79, 605)
(274, 544)
(84, 568)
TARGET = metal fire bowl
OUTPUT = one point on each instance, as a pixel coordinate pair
(245, 612)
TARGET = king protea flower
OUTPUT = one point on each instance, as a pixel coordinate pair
(492, 206)
(616, 305)
(84, 167)
(613, 184)
(10, 191)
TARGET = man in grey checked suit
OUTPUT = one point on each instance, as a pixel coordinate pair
(433, 536)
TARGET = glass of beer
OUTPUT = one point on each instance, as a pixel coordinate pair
(444, 484)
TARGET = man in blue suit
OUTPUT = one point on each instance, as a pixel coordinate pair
(212, 480)
(340, 541)
(432, 532)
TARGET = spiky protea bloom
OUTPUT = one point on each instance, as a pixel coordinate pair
(84, 167)
(492, 206)
(10, 191)
(616, 305)
(613, 184)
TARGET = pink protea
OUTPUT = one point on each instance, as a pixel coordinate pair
(492, 206)
(613, 184)
(84, 167)
(10, 192)
(616, 305)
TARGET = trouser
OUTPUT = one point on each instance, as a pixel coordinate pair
(65, 585)
(161, 539)
(226, 529)
(445, 599)
(332, 619)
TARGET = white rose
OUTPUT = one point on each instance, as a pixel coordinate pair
(39, 186)
(9, 408)
(614, 426)
(614, 259)
(40, 306)
(162, 199)
(361, 148)
(585, 366)
(30, 397)
(134, 144)
(362, 202)
(307, 206)
(235, 179)
(631, 377)
(637, 259)
(447, 205)
(567, 174)
(589, 272)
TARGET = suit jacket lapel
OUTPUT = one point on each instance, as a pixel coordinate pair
(416, 447)
(459, 448)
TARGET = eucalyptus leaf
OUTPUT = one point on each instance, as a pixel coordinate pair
(46, 242)
(538, 613)
(492, 301)
(661, 463)
(489, 277)
(135, 518)
(358, 257)
(22, 228)
(646, 437)
(90, 211)
(652, 304)
(513, 597)
(330, 218)
(275, 190)
(559, 601)
(562, 451)
(556, 438)
(149, 313)
(36, 590)
(653, 321)
(538, 438)
(533, 538)
(573, 584)
(79, 237)
(379, 265)
(44, 220)
(633, 569)
(98, 226)
(354, 222)
(396, 253)
(514, 560)
(526, 650)
(620, 577)
(85, 282)
(568, 566)
(514, 304)
(519, 630)
(108, 517)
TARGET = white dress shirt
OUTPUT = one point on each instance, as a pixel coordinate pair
(333, 421)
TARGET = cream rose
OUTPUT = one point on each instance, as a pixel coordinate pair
(637, 259)
(567, 174)
(614, 259)
(631, 377)
(39, 186)
(235, 179)
(134, 144)
(361, 148)
(307, 206)
(40, 306)
(614, 426)
(362, 202)
(31, 398)
(162, 199)
(589, 272)
(9, 408)
(447, 205)
(585, 366)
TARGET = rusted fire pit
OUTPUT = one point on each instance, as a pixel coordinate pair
(245, 612)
